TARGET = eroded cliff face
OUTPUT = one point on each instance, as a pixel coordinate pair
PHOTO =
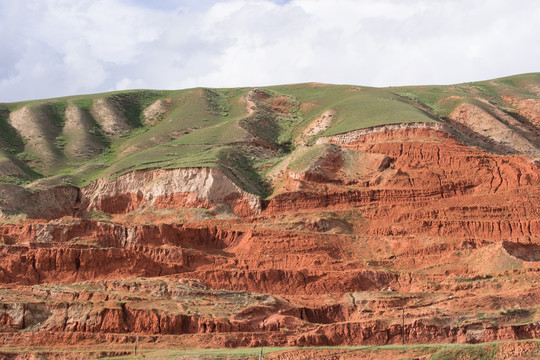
(358, 226)
(47, 204)
(176, 188)
(339, 253)
(205, 188)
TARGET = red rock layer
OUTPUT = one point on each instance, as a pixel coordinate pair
(439, 217)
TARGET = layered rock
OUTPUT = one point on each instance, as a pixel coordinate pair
(400, 216)
(176, 188)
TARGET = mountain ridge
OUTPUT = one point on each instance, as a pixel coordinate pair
(299, 215)
(114, 125)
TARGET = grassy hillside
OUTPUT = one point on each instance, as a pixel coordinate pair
(74, 140)
(442, 100)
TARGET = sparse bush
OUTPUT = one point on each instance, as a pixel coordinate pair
(515, 311)
(98, 215)
(58, 112)
(27, 157)
(67, 181)
(60, 142)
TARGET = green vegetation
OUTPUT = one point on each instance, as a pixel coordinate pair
(217, 101)
(425, 351)
(309, 158)
(132, 104)
(442, 100)
(241, 169)
(275, 119)
(214, 128)
(13, 180)
(355, 107)
(60, 142)
(84, 103)
(57, 110)
(8, 135)
(466, 352)
(98, 215)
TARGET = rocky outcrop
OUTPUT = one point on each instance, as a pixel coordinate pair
(86, 250)
(47, 204)
(359, 227)
(177, 188)
(119, 319)
(159, 189)
(364, 134)
(110, 235)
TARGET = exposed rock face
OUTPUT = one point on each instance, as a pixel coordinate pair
(425, 164)
(46, 204)
(187, 187)
(160, 189)
(362, 134)
(379, 219)
(320, 124)
(431, 187)
(426, 202)
(528, 109)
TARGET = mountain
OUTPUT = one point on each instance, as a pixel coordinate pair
(294, 215)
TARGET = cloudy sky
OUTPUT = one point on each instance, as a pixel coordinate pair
(63, 47)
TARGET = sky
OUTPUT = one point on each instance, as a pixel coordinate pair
(55, 48)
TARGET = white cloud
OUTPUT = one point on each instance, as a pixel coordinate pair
(63, 47)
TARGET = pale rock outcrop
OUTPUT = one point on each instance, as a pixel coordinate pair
(191, 187)
(353, 135)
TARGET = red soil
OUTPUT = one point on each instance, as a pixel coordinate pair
(446, 230)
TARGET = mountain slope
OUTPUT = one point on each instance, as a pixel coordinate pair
(295, 215)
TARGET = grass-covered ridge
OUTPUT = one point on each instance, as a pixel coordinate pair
(244, 131)
(442, 100)
(491, 350)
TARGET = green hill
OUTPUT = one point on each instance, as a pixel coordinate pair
(245, 131)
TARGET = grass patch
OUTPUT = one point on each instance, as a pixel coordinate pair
(480, 352)
(84, 103)
(217, 101)
(212, 127)
(8, 135)
(60, 142)
(354, 107)
(27, 157)
(308, 159)
(427, 351)
(241, 169)
(132, 104)
(57, 112)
